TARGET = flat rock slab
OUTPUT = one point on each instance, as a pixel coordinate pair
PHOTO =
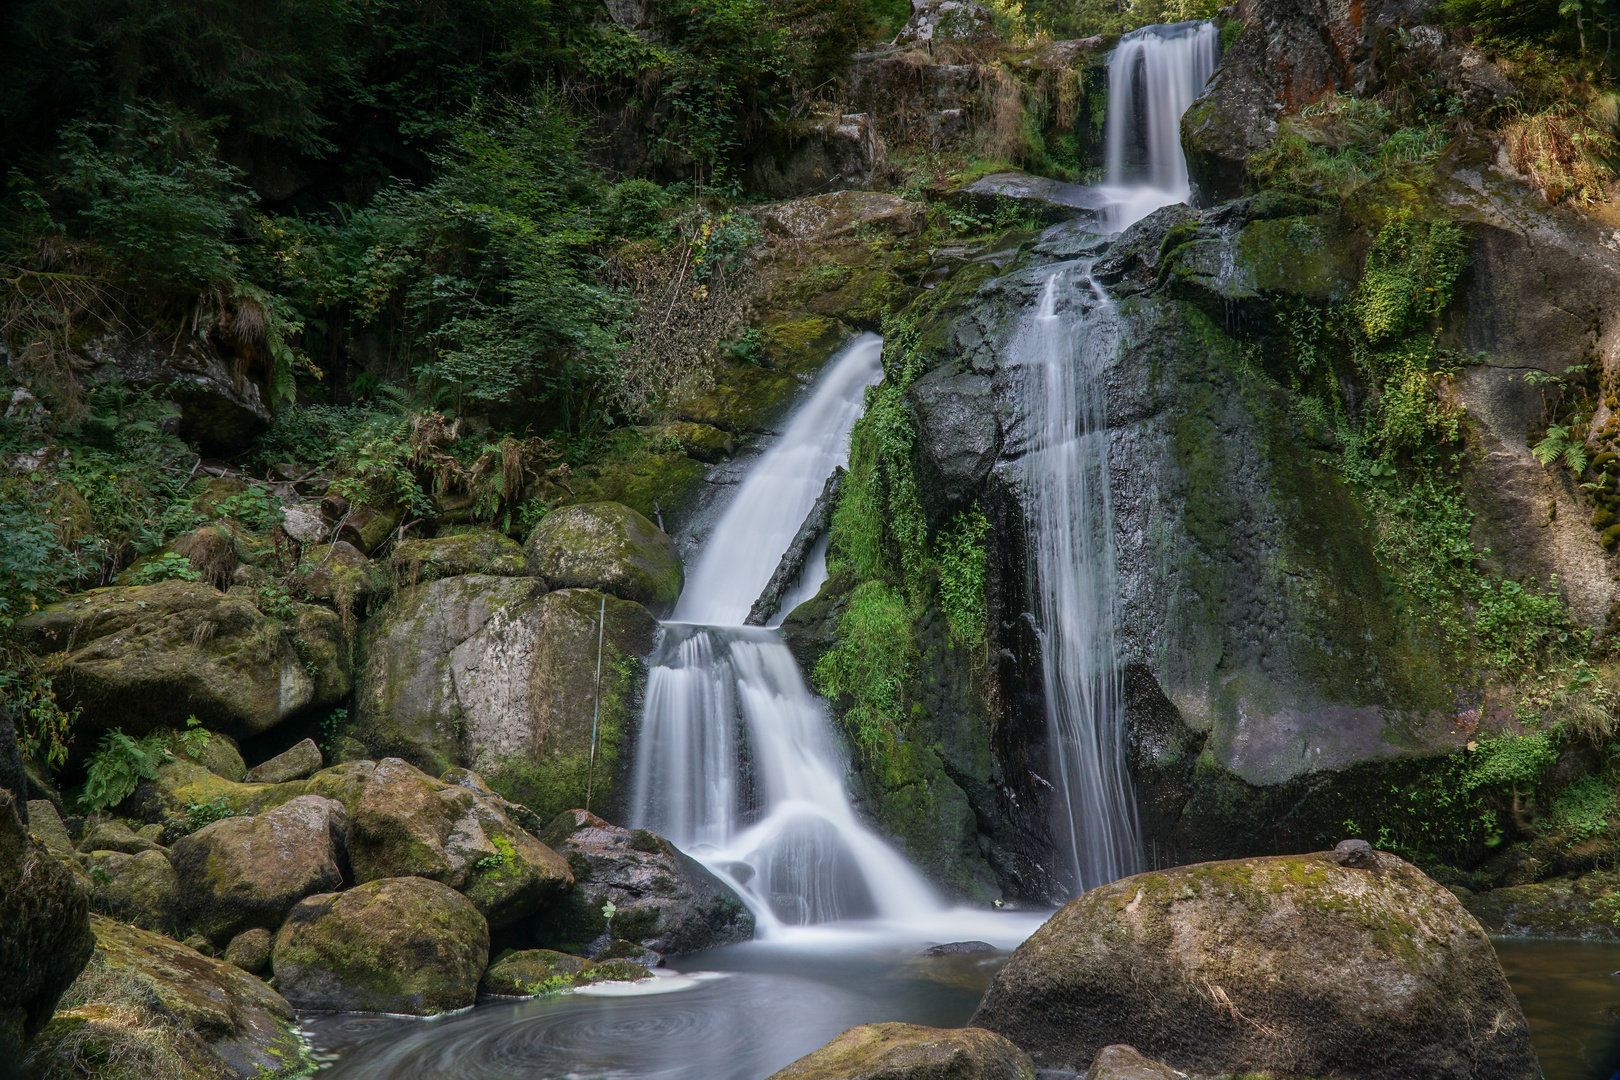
(913, 1052)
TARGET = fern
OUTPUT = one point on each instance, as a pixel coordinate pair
(1560, 446)
(117, 766)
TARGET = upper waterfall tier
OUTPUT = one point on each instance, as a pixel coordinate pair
(749, 538)
(1154, 74)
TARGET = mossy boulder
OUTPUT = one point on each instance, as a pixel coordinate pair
(406, 822)
(475, 551)
(325, 643)
(912, 1052)
(139, 889)
(44, 931)
(115, 836)
(532, 972)
(145, 656)
(1345, 963)
(500, 674)
(250, 950)
(242, 872)
(665, 900)
(339, 574)
(1587, 907)
(609, 547)
(397, 945)
(749, 397)
(183, 1014)
(295, 763)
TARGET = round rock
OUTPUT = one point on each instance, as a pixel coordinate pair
(610, 547)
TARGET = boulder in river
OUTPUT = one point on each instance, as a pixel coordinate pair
(913, 1052)
(1295, 965)
(44, 931)
(145, 656)
(398, 945)
(1121, 1062)
(167, 1011)
(610, 547)
(664, 899)
(533, 972)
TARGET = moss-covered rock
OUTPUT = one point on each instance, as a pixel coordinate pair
(341, 575)
(139, 889)
(146, 656)
(1587, 907)
(665, 900)
(326, 646)
(912, 1052)
(501, 675)
(250, 950)
(609, 547)
(475, 551)
(405, 822)
(699, 441)
(748, 397)
(295, 763)
(115, 836)
(533, 972)
(44, 931)
(653, 471)
(1334, 964)
(172, 1010)
(247, 871)
(398, 945)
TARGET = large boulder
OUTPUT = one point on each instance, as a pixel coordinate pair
(407, 823)
(610, 547)
(219, 408)
(142, 889)
(498, 674)
(165, 1010)
(145, 656)
(473, 551)
(398, 945)
(242, 872)
(295, 763)
(532, 972)
(44, 931)
(839, 150)
(822, 217)
(912, 1052)
(1039, 197)
(664, 899)
(1349, 963)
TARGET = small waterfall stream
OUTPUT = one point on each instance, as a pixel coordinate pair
(737, 761)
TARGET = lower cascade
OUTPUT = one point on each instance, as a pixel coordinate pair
(737, 761)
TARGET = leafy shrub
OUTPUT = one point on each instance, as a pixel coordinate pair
(635, 208)
(170, 566)
(200, 814)
(1583, 809)
(1411, 273)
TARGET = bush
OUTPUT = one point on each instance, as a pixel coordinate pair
(635, 208)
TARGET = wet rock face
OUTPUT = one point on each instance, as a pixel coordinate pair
(958, 437)
(913, 1052)
(143, 656)
(401, 945)
(1292, 964)
(839, 151)
(665, 900)
(45, 934)
(609, 547)
(499, 674)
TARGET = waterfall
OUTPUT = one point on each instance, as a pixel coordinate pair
(737, 762)
(1155, 73)
(1065, 485)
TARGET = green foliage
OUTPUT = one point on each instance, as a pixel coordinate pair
(504, 854)
(119, 764)
(33, 562)
(1340, 144)
(1410, 276)
(1559, 448)
(170, 566)
(874, 660)
(635, 208)
(1515, 626)
(1511, 763)
(194, 740)
(256, 507)
(1582, 810)
(197, 815)
(961, 554)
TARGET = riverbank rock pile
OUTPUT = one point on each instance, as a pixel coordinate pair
(1349, 963)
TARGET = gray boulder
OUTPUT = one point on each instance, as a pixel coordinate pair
(1292, 964)
(139, 889)
(958, 436)
(300, 761)
(1121, 1062)
(840, 151)
(609, 547)
(665, 900)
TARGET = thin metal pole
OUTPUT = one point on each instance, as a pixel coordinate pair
(596, 710)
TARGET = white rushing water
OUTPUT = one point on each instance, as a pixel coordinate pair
(1072, 588)
(1154, 74)
(737, 762)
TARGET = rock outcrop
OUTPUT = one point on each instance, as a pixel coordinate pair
(146, 656)
(498, 674)
(1292, 964)
(837, 151)
(823, 217)
(45, 934)
(912, 1052)
(608, 547)
(471, 551)
(665, 900)
(218, 408)
(397, 945)
(532, 972)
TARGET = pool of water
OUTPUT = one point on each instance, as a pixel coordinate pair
(1567, 989)
(742, 1012)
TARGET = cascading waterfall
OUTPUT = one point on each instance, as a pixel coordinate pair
(737, 763)
(1066, 492)
(1154, 74)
